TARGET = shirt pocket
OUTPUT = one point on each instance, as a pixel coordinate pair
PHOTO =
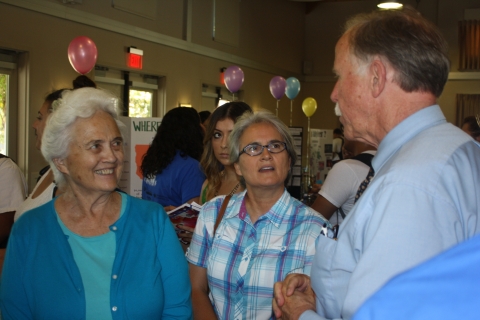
(284, 259)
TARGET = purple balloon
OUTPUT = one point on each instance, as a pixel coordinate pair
(277, 87)
(233, 77)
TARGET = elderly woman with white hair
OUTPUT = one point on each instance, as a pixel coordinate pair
(92, 252)
(260, 235)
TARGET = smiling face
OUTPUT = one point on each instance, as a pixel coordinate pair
(267, 170)
(220, 139)
(40, 122)
(95, 159)
(351, 91)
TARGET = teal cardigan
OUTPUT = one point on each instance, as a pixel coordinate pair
(40, 279)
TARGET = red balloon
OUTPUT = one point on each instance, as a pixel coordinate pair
(82, 54)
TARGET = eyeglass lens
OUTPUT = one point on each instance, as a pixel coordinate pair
(256, 149)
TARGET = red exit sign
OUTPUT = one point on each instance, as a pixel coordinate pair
(135, 58)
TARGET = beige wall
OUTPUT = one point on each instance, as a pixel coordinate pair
(276, 36)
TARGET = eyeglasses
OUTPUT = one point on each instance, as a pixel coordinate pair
(256, 149)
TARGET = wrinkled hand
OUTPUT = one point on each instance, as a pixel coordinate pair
(293, 296)
(186, 236)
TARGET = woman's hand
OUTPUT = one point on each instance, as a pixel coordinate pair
(187, 235)
(168, 208)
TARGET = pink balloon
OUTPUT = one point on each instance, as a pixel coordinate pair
(277, 87)
(82, 54)
(233, 77)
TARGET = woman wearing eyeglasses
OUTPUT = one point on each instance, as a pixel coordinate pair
(264, 234)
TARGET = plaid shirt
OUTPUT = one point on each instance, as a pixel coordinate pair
(244, 260)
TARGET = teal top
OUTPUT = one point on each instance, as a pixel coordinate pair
(149, 278)
(94, 257)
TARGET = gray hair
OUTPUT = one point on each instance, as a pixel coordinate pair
(248, 119)
(413, 45)
(79, 103)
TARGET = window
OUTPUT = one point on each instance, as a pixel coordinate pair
(141, 91)
(9, 108)
(3, 112)
(469, 44)
(140, 105)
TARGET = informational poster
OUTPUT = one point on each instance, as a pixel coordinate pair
(139, 133)
(320, 154)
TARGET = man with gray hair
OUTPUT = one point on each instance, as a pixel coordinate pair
(391, 68)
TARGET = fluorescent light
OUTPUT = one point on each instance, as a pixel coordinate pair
(390, 5)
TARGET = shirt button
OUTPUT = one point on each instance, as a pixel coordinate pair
(114, 228)
(114, 308)
(114, 277)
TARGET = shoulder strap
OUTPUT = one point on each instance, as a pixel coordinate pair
(42, 172)
(342, 213)
(365, 158)
(221, 212)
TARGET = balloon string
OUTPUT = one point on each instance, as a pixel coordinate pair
(307, 182)
(291, 103)
(277, 107)
(233, 96)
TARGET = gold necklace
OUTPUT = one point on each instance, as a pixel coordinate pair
(234, 189)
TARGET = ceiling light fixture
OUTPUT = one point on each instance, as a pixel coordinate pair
(389, 5)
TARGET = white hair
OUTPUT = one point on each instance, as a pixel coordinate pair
(78, 103)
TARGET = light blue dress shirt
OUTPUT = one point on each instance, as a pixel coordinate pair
(424, 198)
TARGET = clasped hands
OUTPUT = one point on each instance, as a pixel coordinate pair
(293, 296)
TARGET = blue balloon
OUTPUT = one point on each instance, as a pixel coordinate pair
(293, 88)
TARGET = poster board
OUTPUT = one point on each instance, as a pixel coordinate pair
(138, 135)
(320, 154)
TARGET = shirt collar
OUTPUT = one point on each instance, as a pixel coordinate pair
(405, 131)
(279, 212)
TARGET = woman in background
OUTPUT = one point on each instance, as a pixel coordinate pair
(45, 189)
(92, 252)
(171, 172)
(221, 176)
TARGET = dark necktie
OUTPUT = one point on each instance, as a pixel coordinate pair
(364, 184)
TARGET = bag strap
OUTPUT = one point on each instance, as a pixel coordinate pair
(221, 213)
(342, 213)
(365, 158)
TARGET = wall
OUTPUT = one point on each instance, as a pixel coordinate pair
(276, 36)
(46, 37)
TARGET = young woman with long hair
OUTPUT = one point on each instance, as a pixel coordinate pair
(221, 177)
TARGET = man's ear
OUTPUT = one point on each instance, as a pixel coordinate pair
(60, 164)
(378, 74)
(237, 169)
